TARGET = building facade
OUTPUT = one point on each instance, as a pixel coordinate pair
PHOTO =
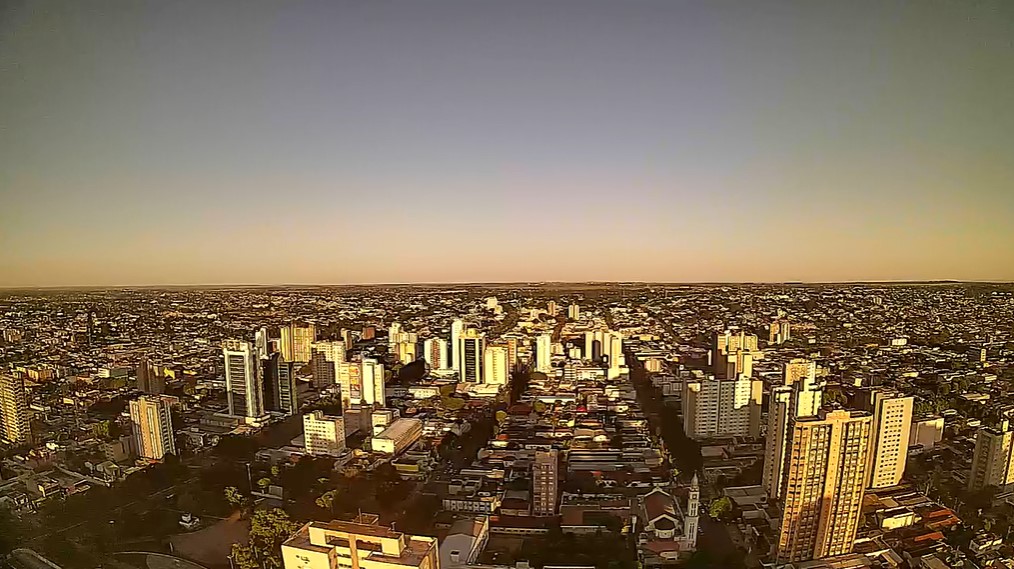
(358, 544)
(151, 423)
(545, 481)
(243, 383)
(14, 425)
(323, 435)
(721, 407)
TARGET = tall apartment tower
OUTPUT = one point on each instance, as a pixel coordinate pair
(243, 383)
(512, 354)
(457, 329)
(325, 361)
(544, 353)
(323, 435)
(14, 427)
(374, 390)
(722, 407)
(574, 312)
(733, 354)
(296, 342)
(471, 346)
(545, 475)
(435, 353)
(993, 461)
(800, 395)
(149, 378)
(892, 426)
(494, 367)
(152, 425)
(551, 308)
(825, 479)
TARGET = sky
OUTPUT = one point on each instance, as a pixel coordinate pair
(375, 141)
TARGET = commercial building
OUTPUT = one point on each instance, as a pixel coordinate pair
(545, 479)
(151, 422)
(14, 426)
(359, 544)
(825, 479)
(992, 459)
(494, 367)
(471, 346)
(402, 434)
(243, 383)
(323, 435)
(715, 407)
(279, 379)
(296, 342)
(892, 425)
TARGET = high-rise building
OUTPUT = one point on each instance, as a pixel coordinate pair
(512, 355)
(374, 389)
(435, 353)
(350, 378)
(545, 477)
(150, 379)
(733, 354)
(993, 459)
(800, 395)
(574, 312)
(14, 426)
(471, 346)
(722, 407)
(544, 353)
(779, 331)
(494, 368)
(296, 342)
(262, 343)
(457, 329)
(151, 420)
(243, 384)
(323, 435)
(325, 360)
(892, 425)
(824, 484)
(279, 380)
(551, 307)
(359, 544)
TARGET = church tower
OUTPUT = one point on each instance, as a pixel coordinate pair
(692, 519)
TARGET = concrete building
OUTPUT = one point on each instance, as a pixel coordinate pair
(926, 432)
(350, 381)
(545, 481)
(892, 425)
(825, 480)
(544, 353)
(359, 544)
(733, 354)
(374, 379)
(296, 342)
(402, 434)
(435, 353)
(992, 459)
(457, 329)
(14, 426)
(323, 435)
(325, 360)
(464, 542)
(243, 383)
(574, 312)
(494, 366)
(471, 346)
(151, 423)
(722, 407)
(800, 395)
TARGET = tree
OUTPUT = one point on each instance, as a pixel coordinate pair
(326, 500)
(501, 416)
(235, 498)
(452, 403)
(263, 483)
(720, 508)
(268, 529)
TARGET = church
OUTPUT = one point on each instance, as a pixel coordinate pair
(667, 531)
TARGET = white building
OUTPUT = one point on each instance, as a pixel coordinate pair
(544, 353)
(494, 369)
(323, 435)
(457, 329)
(402, 434)
(435, 353)
(243, 384)
(722, 407)
(374, 390)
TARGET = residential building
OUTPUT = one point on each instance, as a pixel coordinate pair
(14, 425)
(323, 435)
(825, 479)
(892, 426)
(545, 480)
(296, 342)
(733, 354)
(494, 367)
(993, 457)
(544, 353)
(574, 312)
(471, 346)
(800, 395)
(374, 379)
(325, 360)
(358, 544)
(435, 353)
(457, 329)
(715, 407)
(151, 422)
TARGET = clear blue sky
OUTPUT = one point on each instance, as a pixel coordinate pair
(376, 141)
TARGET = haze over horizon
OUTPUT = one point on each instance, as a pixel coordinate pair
(153, 143)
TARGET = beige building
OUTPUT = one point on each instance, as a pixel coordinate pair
(892, 426)
(800, 396)
(824, 485)
(494, 368)
(297, 341)
(14, 427)
(545, 479)
(323, 435)
(927, 432)
(358, 544)
(722, 407)
(991, 462)
(400, 435)
(151, 421)
(733, 354)
(244, 385)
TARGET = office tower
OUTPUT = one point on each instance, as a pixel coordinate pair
(892, 425)
(733, 354)
(296, 342)
(457, 329)
(544, 482)
(325, 359)
(374, 390)
(435, 352)
(282, 396)
(14, 427)
(574, 312)
(551, 307)
(350, 378)
(152, 425)
(544, 353)
(262, 343)
(992, 461)
(359, 544)
(721, 407)
(494, 368)
(471, 346)
(243, 383)
(323, 435)
(825, 479)
(150, 380)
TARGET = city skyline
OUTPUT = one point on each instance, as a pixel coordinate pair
(333, 143)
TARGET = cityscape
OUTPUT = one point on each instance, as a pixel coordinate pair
(506, 284)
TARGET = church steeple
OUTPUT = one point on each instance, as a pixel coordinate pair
(692, 518)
